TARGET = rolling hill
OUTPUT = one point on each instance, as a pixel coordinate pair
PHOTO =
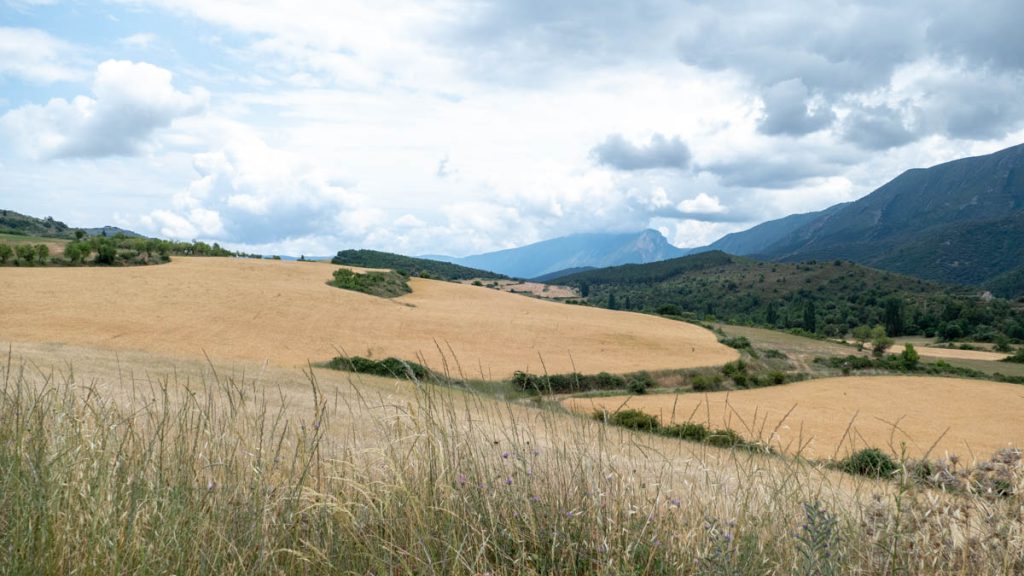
(576, 251)
(12, 222)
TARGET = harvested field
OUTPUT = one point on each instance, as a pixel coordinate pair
(284, 312)
(952, 353)
(885, 411)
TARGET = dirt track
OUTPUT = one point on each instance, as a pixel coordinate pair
(981, 416)
(285, 313)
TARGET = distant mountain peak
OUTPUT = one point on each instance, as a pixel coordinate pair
(594, 249)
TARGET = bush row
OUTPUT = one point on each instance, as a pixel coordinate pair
(637, 383)
(899, 363)
(691, 431)
(392, 367)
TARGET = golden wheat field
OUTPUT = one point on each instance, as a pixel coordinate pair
(833, 416)
(284, 312)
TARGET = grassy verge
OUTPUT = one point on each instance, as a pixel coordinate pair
(211, 478)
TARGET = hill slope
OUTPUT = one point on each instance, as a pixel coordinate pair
(754, 240)
(409, 265)
(284, 312)
(576, 251)
(12, 222)
(962, 222)
(829, 298)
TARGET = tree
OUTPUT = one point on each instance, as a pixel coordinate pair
(909, 357)
(6, 253)
(26, 254)
(810, 316)
(76, 252)
(79, 234)
(584, 289)
(611, 302)
(772, 315)
(106, 253)
(894, 316)
(879, 341)
(42, 253)
(861, 333)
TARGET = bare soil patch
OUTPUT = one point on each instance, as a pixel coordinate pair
(284, 312)
(977, 417)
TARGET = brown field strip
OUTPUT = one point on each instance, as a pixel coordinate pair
(885, 411)
(285, 313)
(952, 353)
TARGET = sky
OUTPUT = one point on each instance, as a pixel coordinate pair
(442, 127)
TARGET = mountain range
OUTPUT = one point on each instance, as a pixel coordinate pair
(961, 222)
(573, 252)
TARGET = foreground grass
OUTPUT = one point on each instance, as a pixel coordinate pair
(222, 476)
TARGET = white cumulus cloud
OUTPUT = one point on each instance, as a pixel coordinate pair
(36, 56)
(131, 100)
(252, 194)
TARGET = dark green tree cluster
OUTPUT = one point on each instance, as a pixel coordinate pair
(410, 266)
(384, 284)
(820, 298)
(117, 250)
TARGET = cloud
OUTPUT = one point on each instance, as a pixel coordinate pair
(876, 128)
(660, 152)
(702, 204)
(36, 56)
(250, 193)
(131, 101)
(140, 41)
(790, 109)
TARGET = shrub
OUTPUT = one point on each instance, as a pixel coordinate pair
(687, 431)
(775, 377)
(6, 253)
(639, 383)
(705, 383)
(389, 366)
(737, 371)
(42, 253)
(669, 310)
(26, 254)
(1017, 358)
(725, 438)
(106, 254)
(632, 419)
(909, 357)
(383, 284)
(869, 462)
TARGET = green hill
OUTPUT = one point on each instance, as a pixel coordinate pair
(409, 265)
(827, 298)
(12, 222)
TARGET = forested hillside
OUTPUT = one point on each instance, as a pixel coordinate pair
(409, 265)
(828, 298)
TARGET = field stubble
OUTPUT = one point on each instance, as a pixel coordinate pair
(284, 312)
(126, 466)
(836, 416)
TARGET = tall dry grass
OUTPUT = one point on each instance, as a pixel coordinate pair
(224, 476)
